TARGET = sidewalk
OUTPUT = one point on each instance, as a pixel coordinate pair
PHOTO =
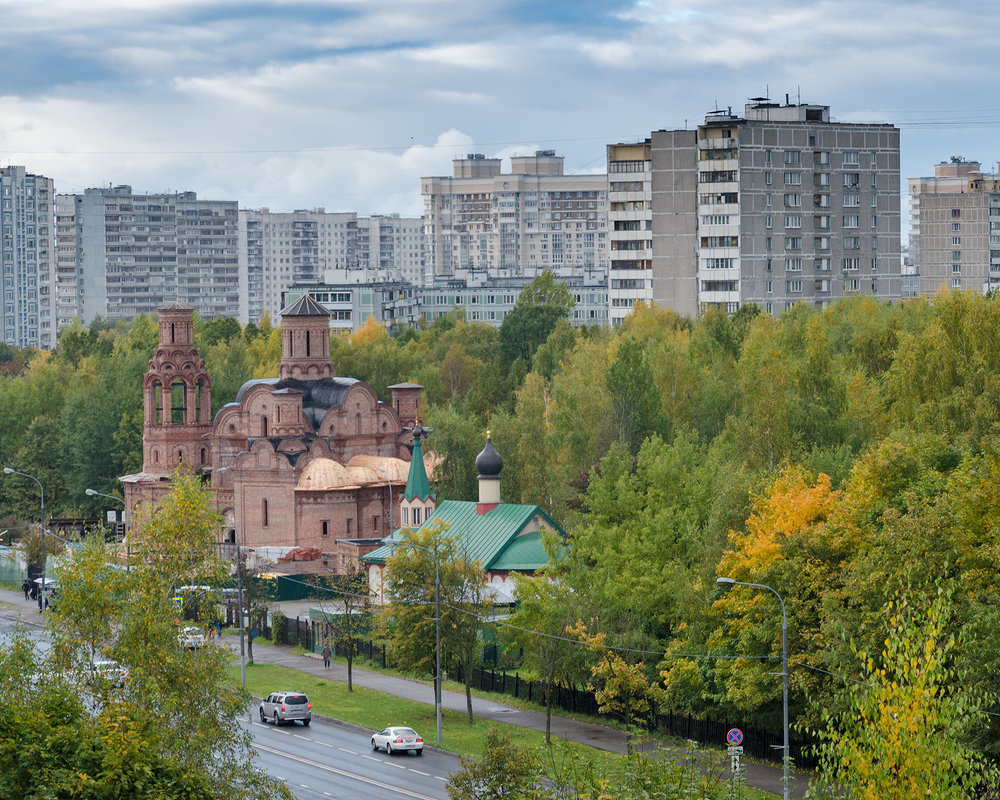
(761, 776)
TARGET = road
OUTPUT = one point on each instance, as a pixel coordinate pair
(328, 760)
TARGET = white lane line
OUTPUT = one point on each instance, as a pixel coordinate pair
(441, 779)
(425, 774)
(300, 736)
(345, 750)
(397, 766)
(325, 744)
(370, 758)
(345, 773)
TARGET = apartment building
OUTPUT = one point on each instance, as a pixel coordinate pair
(630, 227)
(352, 299)
(122, 254)
(519, 223)
(281, 250)
(955, 228)
(27, 259)
(776, 207)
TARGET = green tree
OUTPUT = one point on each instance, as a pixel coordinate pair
(534, 316)
(348, 610)
(506, 771)
(903, 730)
(408, 622)
(170, 729)
(635, 401)
(544, 612)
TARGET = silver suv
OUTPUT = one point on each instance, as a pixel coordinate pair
(282, 707)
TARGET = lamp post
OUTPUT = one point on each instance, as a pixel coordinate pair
(437, 625)
(128, 549)
(239, 598)
(41, 527)
(726, 583)
(388, 480)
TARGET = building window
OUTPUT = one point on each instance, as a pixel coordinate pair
(406, 516)
(767, 221)
(416, 517)
(792, 157)
(375, 524)
(793, 287)
(851, 157)
(793, 221)
(263, 513)
(956, 227)
(956, 268)
(852, 179)
(793, 179)
(852, 200)
(793, 242)
(851, 220)
(794, 265)
(793, 200)
(956, 241)
(956, 213)
(350, 525)
(852, 242)
(956, 255)
(326, 527)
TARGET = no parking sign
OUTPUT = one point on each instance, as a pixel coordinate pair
(735, 737)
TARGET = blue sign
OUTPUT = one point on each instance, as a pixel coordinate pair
(734, 737)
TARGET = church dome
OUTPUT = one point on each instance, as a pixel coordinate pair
(488, 462)
(325, 473)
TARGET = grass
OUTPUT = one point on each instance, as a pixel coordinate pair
(373, 710)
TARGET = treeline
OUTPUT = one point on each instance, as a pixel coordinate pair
(840, 456)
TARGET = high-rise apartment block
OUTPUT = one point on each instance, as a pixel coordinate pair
(955, 228)
(630, 227)
(776, 207)
(532, 219)
(133, 253)
(26, 259)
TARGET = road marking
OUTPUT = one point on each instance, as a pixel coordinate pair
(397, 766)
(345, 773)
(440, 778)
(345, 750)
(372, 758)
(425, 774)
(300, 736)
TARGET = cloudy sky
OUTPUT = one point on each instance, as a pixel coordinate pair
(345, 104)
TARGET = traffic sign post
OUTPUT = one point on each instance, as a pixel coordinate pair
(734, 738)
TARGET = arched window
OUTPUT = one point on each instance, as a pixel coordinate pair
(308, 344)
(157, 389)
(264, 512)
(178, 403)
(203, 455)
(263, 427)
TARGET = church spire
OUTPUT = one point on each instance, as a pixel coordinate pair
(417, 485)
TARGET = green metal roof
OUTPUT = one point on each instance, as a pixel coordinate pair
(417, 485)
(496, 539)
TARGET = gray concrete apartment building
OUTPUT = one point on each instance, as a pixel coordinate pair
(776, 207)
(123, 254)
(27, 260)
(519, 223)
(279, 250)
(955, 228)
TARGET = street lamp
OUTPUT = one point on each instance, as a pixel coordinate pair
(388, 480)
(41, 527)
(437, 625)
(239, 597)
(726, 583)
(128, 549)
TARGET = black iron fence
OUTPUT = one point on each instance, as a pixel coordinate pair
(758, 742)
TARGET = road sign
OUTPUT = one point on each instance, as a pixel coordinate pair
(734, 737)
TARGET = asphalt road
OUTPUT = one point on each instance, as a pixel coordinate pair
(330, 760)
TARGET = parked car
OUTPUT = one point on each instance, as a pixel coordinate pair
(282, 707)
(191, 638)
(395, 740)
(110, 671)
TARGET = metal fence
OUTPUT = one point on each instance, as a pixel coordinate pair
(11, 572)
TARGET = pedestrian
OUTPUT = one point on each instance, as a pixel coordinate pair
(326, 655)
(26, 588)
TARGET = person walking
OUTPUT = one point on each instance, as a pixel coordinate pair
(326, 655)
(26, 588)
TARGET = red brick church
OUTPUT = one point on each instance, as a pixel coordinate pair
(303, 460)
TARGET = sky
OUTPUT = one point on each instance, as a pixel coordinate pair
(346, 104)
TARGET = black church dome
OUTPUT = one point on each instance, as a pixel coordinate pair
(488, 462)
